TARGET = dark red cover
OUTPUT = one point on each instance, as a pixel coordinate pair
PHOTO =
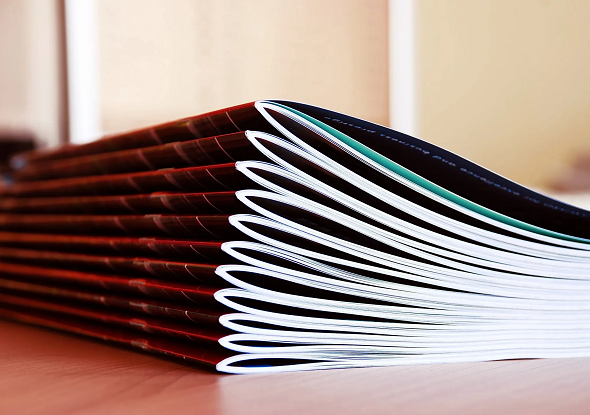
(216, 178)
(209, 251)
(160, 202)
(201, 152)
(120, 239)
(203, 355)
(201, 227)
(120, 284)
(224, 121)
(184, 313)
(146, 267)
(194, 332)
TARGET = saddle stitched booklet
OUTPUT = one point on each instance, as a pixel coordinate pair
(279, 236)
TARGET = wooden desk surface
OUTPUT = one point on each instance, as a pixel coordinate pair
(44, 372)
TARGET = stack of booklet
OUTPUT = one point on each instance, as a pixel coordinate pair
(279, 236)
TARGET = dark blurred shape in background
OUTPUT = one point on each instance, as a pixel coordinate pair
(11, 143)
(575, 177)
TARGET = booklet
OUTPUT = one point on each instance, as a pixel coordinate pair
(279, 236)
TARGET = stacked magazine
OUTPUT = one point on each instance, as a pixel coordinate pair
(278, 236)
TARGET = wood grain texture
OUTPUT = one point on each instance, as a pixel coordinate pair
(44, 372)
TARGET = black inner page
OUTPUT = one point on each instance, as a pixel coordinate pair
(457, 174)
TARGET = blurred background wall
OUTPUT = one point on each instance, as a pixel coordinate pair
(167, 59)
(502, 83)
(505, 83)
(31, 84)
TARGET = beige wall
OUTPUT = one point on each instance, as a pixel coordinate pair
(506, 83)
(167, 59)
(503, 83)
(30, 83)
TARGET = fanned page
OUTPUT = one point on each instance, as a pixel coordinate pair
(278, 236)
